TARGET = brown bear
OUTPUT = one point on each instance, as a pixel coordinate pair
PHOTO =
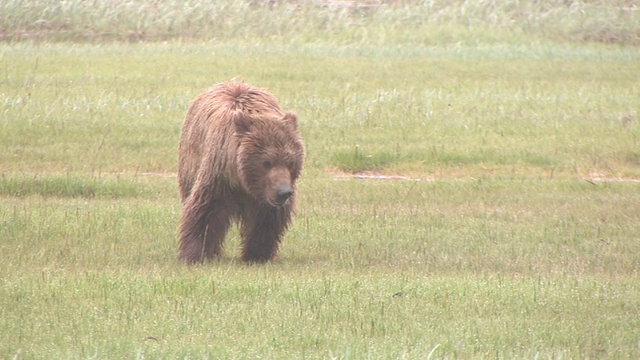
(240, 156)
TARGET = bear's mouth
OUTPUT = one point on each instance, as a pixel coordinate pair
(281, 197)
(278, 204)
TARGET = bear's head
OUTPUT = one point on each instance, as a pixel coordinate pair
(270, 156)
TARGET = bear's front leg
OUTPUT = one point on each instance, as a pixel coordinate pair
(202, 230)
(262, 231)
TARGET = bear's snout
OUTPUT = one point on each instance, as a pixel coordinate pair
(284, 193)
(280, 187)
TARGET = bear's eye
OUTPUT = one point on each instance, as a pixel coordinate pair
(267, 165)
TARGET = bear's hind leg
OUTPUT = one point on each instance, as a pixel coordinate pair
(202, 233)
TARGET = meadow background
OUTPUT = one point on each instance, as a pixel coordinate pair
(472, 181)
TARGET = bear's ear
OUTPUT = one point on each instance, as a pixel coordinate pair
(291, 120)
(242, 123)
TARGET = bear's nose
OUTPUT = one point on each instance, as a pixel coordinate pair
(284, 193)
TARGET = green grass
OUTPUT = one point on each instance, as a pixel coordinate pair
(70, 186)
(514, 234)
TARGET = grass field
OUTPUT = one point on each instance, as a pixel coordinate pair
(471, 190)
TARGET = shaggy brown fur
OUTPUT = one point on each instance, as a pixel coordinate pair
(240, 157)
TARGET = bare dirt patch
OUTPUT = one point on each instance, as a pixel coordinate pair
(379, 176)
